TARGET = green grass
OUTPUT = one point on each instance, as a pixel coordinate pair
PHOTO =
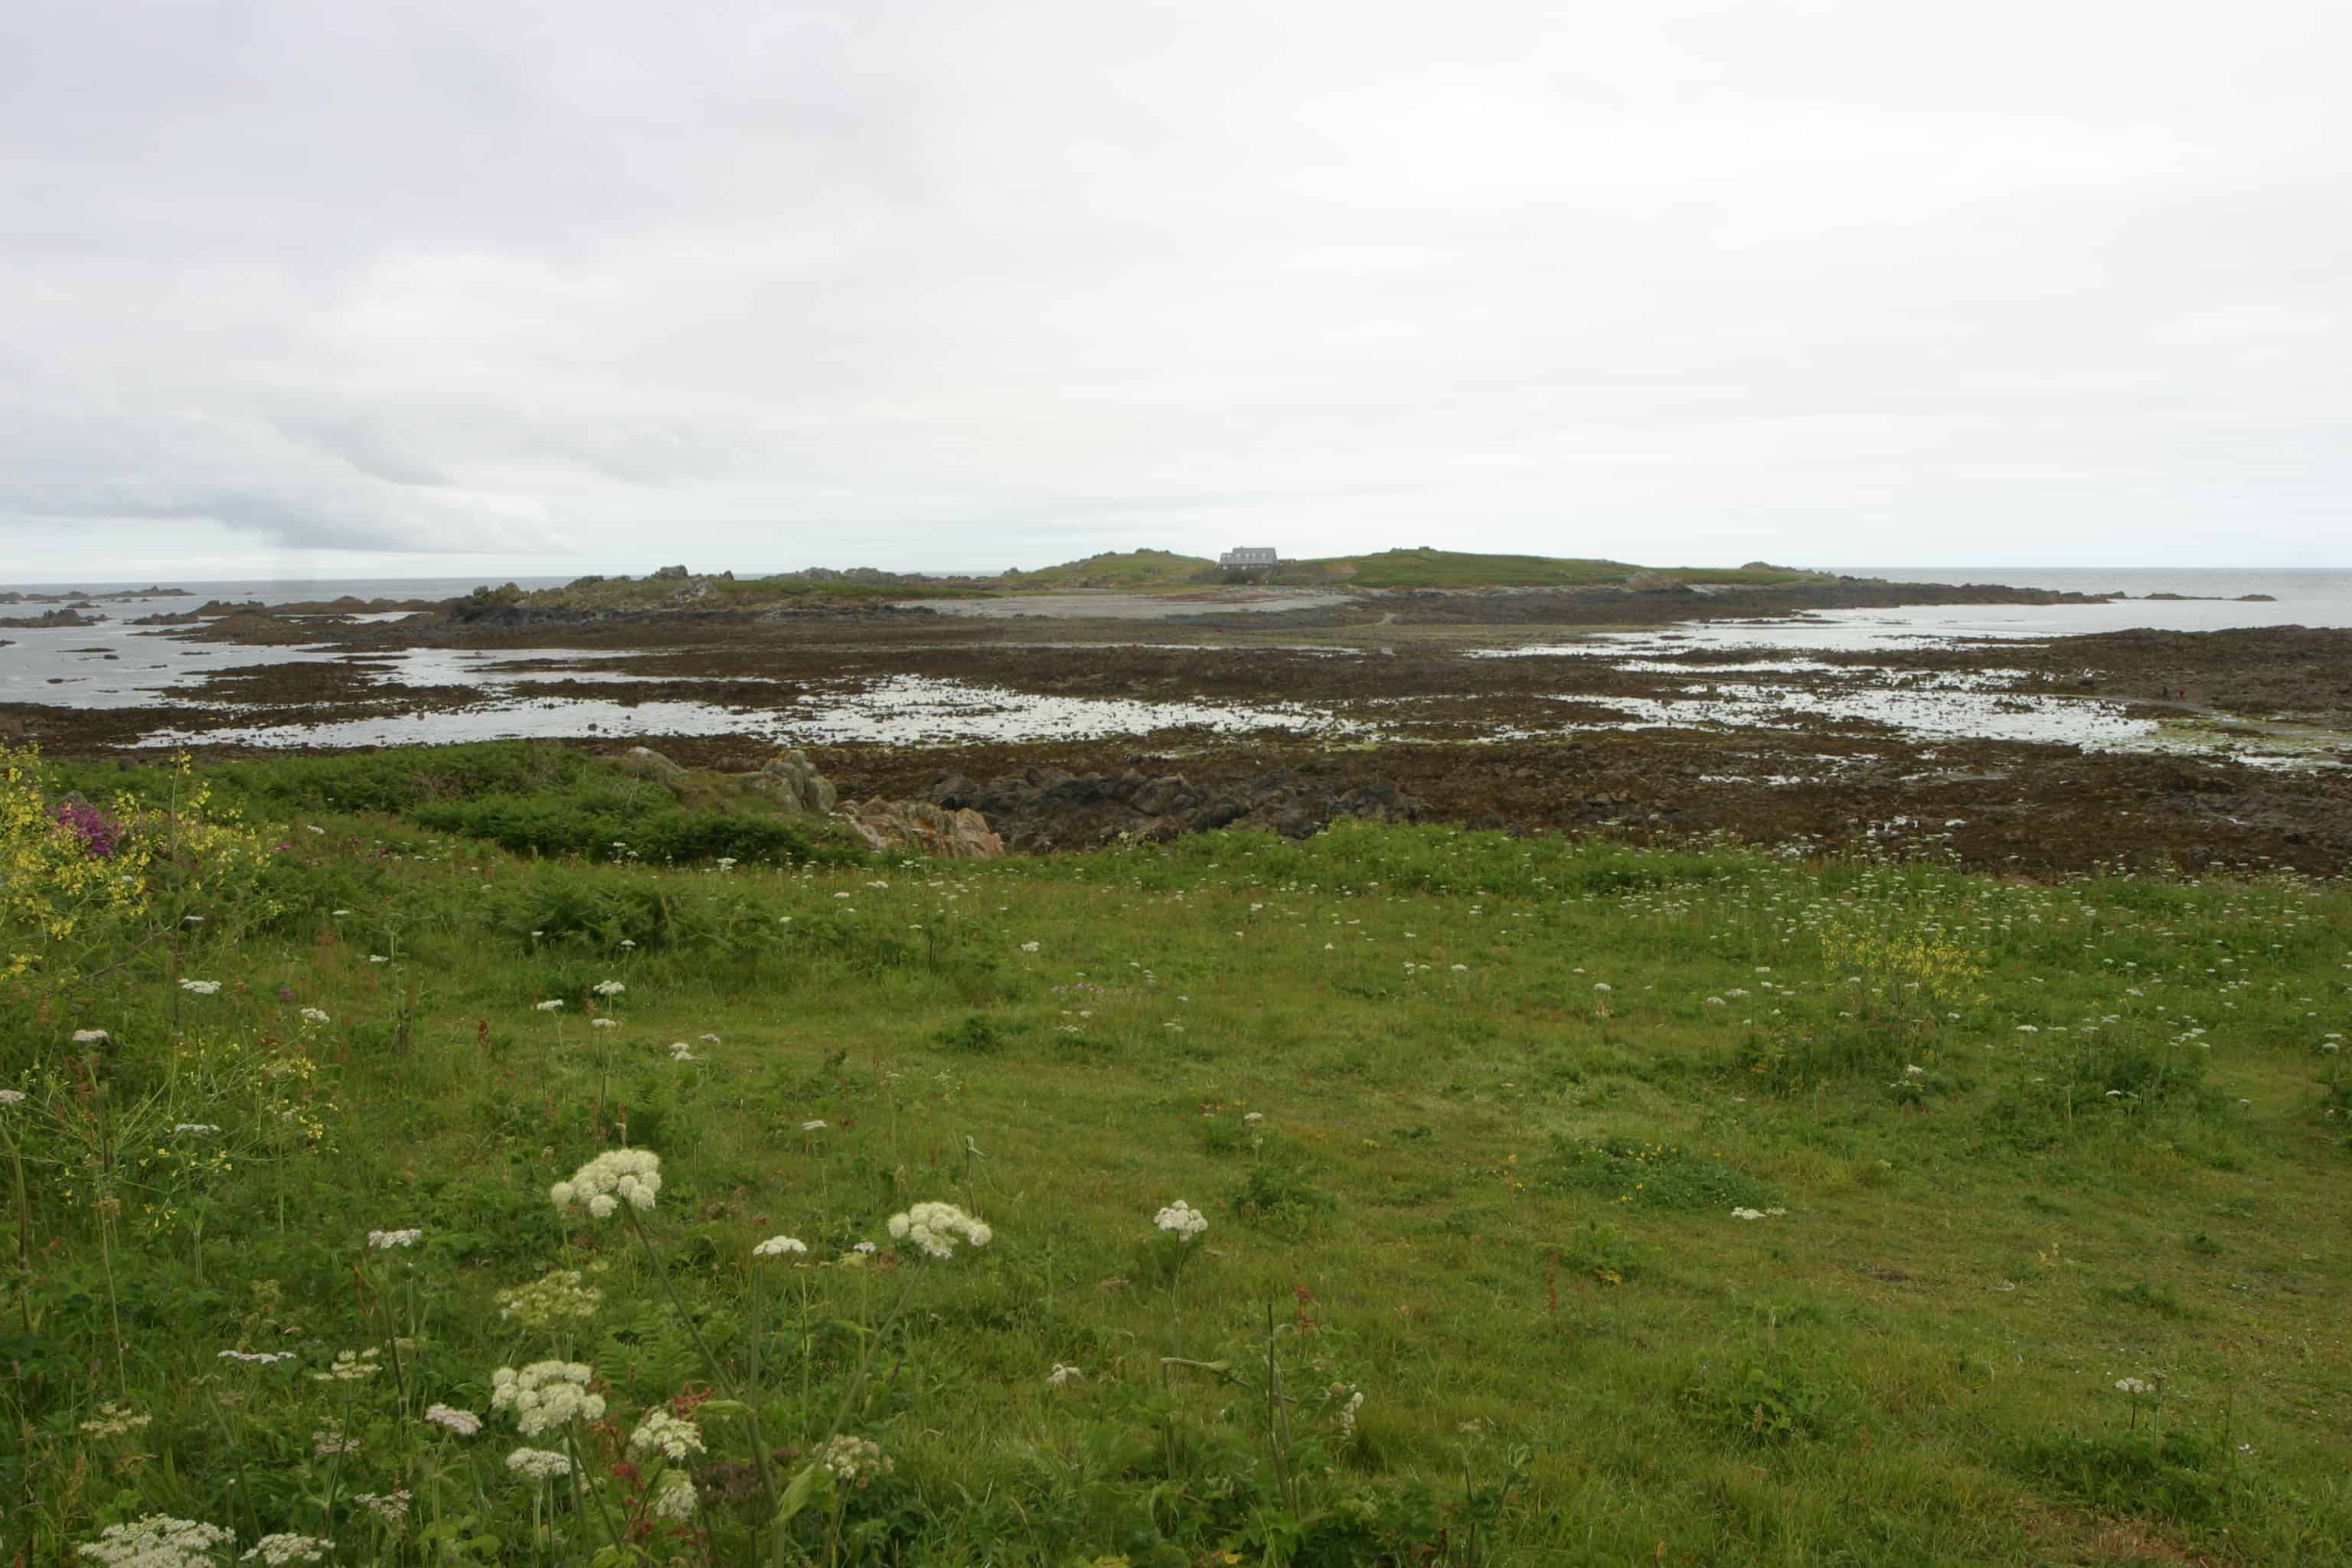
(1459, 1175)
(1425, 568)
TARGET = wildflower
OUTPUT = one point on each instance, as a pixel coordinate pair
(552, 1005)
(609, 987)
(390, 1507)
(1062, 1375)
(1029, 947)
(464, 1423)
(1747, 1214)
(811, 1126)
(675, 1498)
(778, 1246)
(546, 1394)
(1181, 1220)
(934, 1227)
(708, 1039)
(115, 1420)
(2028, 1029)
(853, 1461)
(282, 1548)
(339, 911)
(538, 1464)
(553, 1301)
(193, 1128)
(866, 1249)
(201, 987)
(2133, 1387)
(258, 1358)
(603, 1023)
(634, 1173)
(329, 1441)
(316, 1016)
(378, 958)
(1253, 1117)
(679, 1051)
(313, 828)
(659, 1431)
(350, 1366)
(1344, 1418)
(92, 1037)
(156, 1540)
(1600, 986)
(384, 1240)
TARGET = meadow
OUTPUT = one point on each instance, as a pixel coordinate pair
(386, 1182)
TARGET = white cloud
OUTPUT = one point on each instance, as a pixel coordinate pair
(966, 284)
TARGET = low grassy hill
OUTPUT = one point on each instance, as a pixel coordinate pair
(1426, 568)
(1139, 570)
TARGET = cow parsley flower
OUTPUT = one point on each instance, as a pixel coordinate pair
(675, 1498)
(1747, 1214)
(193, 1128)
(316, 1016)
(661, 1432)
(855, 1461)
(608, 987)
(813, 1126)
(352, 1366)
(97, 1038)
(464, 1423)
(284, 1547)
(538, 1464)
(384, 1240)
(1181, 1220)
(603, 1023)
(390, 1507)
(553, 1301)
(935, 1227)
(1029, 947)
(156, 1540)
(617, 1175)
(258, 1358)
(552, 1005)
(1061, 1376)
(546, 1396)
(201, 987)
(2133, 1387)
(115, 1420)
(777, 1246)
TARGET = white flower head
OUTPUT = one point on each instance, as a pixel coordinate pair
(604, 1023)
(538, 1464)
(258, 1358)
(1029, 947)
(464, 1423)
(778, 1246)
(156, 1540)
(552, 1005)
(2133, 1387)
(1181, 1220)
(201, 987)
(609, 987)
(12, 1097)
(633, 1175)
(1062, 1376)
(285, 1547)
(546, 1396)
(812, 1126)
(384, 1240)
(93, 1037)
(935, 1228)
(659, 1432)
(316, 1016)
(675, 1497)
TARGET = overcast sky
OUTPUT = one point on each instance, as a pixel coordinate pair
(481, 287)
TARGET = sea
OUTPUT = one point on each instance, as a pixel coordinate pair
(113, 664)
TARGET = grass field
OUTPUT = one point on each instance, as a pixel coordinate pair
(1565, 1202)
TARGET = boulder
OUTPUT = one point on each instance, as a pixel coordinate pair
(925, 828)
(790, 779)
(645, 763)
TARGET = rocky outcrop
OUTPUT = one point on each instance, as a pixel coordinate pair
(1046, 808)
(960, 835)
(791, 781)
(645, 763)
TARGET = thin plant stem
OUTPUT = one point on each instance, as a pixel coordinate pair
(710, 1358)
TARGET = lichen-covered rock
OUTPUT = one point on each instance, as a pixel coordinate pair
(946, 834)
(645, 763)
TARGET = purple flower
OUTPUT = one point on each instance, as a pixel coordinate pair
(99, 834)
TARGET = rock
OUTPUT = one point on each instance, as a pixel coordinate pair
(645, 763)
(928, 829)
(789, 777)
(1048, 808)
